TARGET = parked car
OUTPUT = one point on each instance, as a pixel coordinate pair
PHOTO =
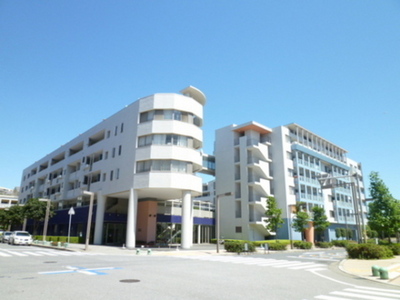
(20, 238)
(5, 236)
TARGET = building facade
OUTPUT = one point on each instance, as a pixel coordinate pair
(254, 162)
(140, 163)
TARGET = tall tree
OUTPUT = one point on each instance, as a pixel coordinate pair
(301, 219)
(36, 210)
(320, 220)
(13, 216)
(274, 214)
(384, 210)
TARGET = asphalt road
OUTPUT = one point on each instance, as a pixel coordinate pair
(37, 273)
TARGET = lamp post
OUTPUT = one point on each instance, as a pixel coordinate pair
(46, 218)
(89, 222)
(327, 182)
(218, 216)
(290, 210)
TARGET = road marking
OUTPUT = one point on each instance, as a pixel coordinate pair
(32, 253)
(5, 254)
(86, 271)
(359, 292)
(274, 263)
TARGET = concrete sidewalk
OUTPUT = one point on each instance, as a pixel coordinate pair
(356, 267)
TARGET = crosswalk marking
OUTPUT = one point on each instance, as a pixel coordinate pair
(359, 292)
(15, 253)
(53, 253)
(33, 253)
(269, 262)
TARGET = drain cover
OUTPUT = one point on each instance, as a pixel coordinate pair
(129, 280)
(49, 262)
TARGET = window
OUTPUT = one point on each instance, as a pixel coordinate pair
(113, 152)
(163, 165)
(238, 209)
(238, 229)
(122, 127)
(104, 176)
(106, 155)
(117, 174)
(116, 130)
(119, 150)
(108, 134)
(292, 190)
(111, 175)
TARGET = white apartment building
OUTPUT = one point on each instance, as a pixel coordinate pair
(254, 162)
(137, 163)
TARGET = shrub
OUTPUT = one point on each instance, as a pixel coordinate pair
(323, 244)
(239, 246)
(302, 245)
(341, 243)
(395, 248)
(368, 251)
(277, 246)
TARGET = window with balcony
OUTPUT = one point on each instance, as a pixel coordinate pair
(169, 114)
(166, 165)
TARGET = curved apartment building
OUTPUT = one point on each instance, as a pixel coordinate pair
(133, 162)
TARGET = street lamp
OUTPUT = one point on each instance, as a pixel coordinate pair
(46, 218)
(328, 182)
(89, 222)
(290, 211)
(218, 214)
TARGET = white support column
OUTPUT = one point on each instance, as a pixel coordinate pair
(131, 222)
(187, 220)
(199, 234)
(98, 226)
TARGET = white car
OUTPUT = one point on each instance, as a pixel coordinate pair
(20, 238)
(5, 236)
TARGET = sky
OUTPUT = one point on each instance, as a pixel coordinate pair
(331, 66)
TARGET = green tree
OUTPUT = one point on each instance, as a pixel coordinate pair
(301, 219)
(338, 233)
(36, 210)
(12, 217)
(384, 210)
(320, 220)
(274, 215)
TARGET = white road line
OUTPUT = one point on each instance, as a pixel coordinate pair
(324, 297)
(354, 295)
(16, 253)
(47, 253)
(304, 266)
(5, 254)
(33, 253)
(371, 292)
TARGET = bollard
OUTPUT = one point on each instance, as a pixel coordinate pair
(59, 244)
(375, 271)
(66, 245)
(384, 273)
(149, 252)
(137, 251)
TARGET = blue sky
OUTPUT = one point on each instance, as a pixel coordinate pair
(331, 66)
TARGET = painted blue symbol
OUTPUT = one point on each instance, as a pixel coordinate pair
(86, 271)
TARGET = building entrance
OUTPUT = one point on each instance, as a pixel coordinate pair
(114, 234)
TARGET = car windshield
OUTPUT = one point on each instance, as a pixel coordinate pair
(23, 234)
(7, 233)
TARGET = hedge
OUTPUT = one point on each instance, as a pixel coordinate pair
(62, 239)
(302, 245)
(239, 246)
(368, 251)
(324, 244)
